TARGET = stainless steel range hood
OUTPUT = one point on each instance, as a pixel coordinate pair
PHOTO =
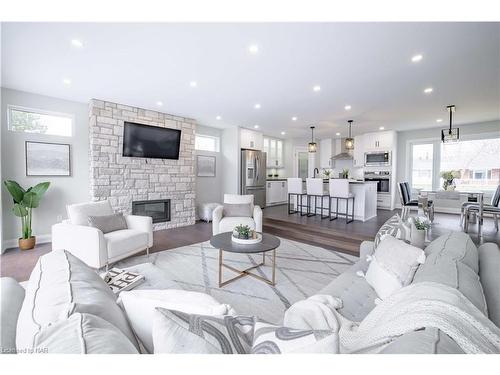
(343, 154)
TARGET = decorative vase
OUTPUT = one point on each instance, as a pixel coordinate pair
(417, 237)
(27, 243)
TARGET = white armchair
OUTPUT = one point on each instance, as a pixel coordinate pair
(91, 245)
(222, 224)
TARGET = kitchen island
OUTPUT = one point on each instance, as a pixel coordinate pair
(365, 200)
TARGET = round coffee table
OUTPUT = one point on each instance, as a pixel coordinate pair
(223, 242)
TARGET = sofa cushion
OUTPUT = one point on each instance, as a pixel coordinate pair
(489, 274)
(393, 226)
(79, 213)
(83, 334)
(452, 260)
(108, 223)
(11, 298)
(178, 332)
(124, 241)
(227, 224)
(59, 286)
(139, 306)
(426, 341)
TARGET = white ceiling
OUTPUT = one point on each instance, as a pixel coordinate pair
(365, 65)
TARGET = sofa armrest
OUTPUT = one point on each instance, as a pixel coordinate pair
(366, 248)
(216, 218)
(86, 243)
(141, 223)
(257, 217)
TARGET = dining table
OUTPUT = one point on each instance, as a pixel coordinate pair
(479, 195)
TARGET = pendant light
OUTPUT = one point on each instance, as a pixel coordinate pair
(451, 134)
(312, 145)
(349, 141)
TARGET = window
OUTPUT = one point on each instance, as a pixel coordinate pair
(40, 122)
(477, 162)
(206, 143)
(422, 165)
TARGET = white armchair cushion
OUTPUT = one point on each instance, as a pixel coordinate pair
(141, 223)
(125, 241)
(239, 199)
(227, 224)
(79, 213)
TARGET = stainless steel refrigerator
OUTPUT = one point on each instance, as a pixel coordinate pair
(253, 175)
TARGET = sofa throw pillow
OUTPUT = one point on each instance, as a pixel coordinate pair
(271, 339)
(237, 210)
(79, 213)
(83, 334)
(108, 223)
(139, 306)
(395, 227)
(178, 332)
(393, 265)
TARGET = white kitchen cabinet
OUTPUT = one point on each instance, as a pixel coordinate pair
(273, 147)
(384, 201)
(276, 192)
(380, 141)
(251, 139)
(359, 151)
(325, 153)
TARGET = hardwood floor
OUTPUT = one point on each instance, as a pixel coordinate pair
(335, 235)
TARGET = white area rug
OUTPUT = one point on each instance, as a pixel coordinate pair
(301, 271)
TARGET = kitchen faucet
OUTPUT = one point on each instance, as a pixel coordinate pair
(316, 170)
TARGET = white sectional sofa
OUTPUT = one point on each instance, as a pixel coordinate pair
(67, 308)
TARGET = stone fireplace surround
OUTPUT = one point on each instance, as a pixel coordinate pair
(122, 180)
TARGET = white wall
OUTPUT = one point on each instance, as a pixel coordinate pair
(209, 189)
(231, 155)
(63, 190)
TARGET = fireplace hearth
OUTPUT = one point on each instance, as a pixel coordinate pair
(158, 209)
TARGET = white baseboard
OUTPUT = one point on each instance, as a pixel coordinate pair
(42, 238)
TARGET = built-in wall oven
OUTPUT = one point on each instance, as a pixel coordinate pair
(377, 159)
(383, 180)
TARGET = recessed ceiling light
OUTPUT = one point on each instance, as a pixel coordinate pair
(254, 48)
(294, 118)
(347, 107)
(381, 128)
(257, 106)
(428, 90)
(337, 134)
(77, 43)
(256, 126)
(218, 117)
(283, 133)
(193, 84)
(317, 88)
(160, 103)
(67, 81)
(439, 120)
(417, 58)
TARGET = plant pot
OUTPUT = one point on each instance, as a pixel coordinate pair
(417, 237)
(27, 243)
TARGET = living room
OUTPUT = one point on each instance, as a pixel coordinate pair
(275, 182)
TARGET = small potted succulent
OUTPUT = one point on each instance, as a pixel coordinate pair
(449, 179)
(242, 232)
(345, 173)
(327, 173)
(418, 229)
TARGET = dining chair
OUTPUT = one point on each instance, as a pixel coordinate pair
(493, 208)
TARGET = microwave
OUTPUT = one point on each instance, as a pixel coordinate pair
(377, 158)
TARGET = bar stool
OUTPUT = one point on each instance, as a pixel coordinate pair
(315, 189)
(296, 190)
(339, 189)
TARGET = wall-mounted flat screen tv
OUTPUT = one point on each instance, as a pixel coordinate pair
(144, 141)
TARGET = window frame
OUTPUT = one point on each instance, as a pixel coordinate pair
(39, 111)
(216, 138)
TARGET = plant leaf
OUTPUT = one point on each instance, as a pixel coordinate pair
(15, 190)
(19, 210)
(40, 188)
(31, 200)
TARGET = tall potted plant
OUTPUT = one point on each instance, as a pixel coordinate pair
(24, 203)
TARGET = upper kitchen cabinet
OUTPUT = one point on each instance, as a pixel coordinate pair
(359, 151)
(326, 149)
(251, 139)
(380, 141)
(274, 149)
